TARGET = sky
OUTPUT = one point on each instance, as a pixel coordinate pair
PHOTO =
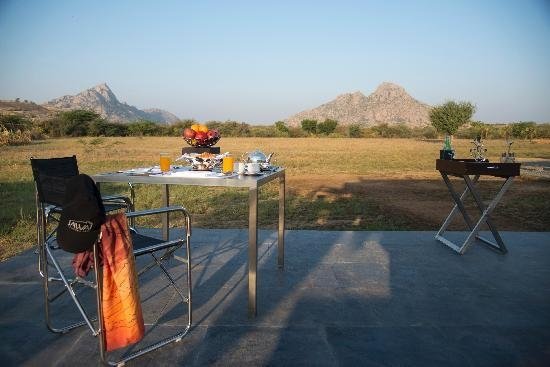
(262, 61)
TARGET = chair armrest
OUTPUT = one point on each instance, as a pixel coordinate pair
(166, 209)
(126, 199)
(163, 210)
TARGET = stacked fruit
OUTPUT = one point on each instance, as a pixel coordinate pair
(199, 135)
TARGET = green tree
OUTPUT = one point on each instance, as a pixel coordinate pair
(76, 122)
(143, 128)
(448, 117)
(281, 127)
(327, 127)
(524, 130)
(354, 131)
(309, 126)
(14, 123)
(101, 127)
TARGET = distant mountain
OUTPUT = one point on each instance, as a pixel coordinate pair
(156, 114)
(103, 101)
(389, 103)
(28, 109)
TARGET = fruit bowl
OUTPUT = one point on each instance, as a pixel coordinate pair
(200, 136)
(202, 143)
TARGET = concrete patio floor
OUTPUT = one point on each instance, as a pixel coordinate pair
(343, 299)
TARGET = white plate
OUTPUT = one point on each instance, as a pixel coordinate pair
(253, 174)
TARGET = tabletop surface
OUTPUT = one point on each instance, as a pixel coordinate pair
(462, 167)
(185, 176)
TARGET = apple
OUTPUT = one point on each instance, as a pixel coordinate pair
(200, 136)
(212, 134)
(189, 133)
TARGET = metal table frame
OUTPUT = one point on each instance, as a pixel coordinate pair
(464, 171)
(252, 183)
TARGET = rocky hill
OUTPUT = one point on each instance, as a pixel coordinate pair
(389, 103)
(28, 109)
(103, 101)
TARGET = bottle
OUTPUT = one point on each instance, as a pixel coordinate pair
(447, 152)
(447, 143)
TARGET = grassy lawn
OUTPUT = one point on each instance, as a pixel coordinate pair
(356, 184)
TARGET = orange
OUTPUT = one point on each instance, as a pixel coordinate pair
(203, 128)
(195, 127)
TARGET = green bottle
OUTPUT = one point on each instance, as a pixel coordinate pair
(447, 143)
(447, 152)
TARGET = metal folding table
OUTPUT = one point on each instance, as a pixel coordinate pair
(465, 168)
(252, 183)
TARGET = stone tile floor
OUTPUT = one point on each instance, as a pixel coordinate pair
(343, 299)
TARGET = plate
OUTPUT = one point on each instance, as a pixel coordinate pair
(253, 174)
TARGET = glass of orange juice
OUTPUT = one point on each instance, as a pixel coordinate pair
(227, 165)
(164, 162)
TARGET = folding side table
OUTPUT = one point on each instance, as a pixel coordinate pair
(465, 168)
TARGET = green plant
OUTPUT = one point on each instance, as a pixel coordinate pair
(354, 131)
(144, 128)
(309, 126)
(280, 126)
(327, 127)
(448, 117)
(523, 130)
(14, 123)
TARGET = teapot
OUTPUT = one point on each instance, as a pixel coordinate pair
(257, 156)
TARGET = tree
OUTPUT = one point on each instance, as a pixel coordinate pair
(523, 130)
(14, 123)
(354, 131)
(281, 127)
(76, 122)
(143, 128)
(327, 127)
(309, 126)
(448, 117)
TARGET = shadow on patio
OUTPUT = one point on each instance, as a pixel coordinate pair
(344, 298)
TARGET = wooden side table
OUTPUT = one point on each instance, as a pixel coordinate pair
(465, 168)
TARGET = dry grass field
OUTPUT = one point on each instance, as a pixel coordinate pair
(362, 184)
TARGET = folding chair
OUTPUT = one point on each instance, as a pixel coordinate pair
(51, 175)
(48, 187)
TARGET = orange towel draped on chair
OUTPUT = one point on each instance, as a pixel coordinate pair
(120, 304)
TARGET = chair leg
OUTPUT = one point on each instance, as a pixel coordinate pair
(185, 299)
(46, 257)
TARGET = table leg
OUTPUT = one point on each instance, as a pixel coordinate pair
(165, 216)
(485, 214)
(460, 206)
(281, 232)
(252, 250)
(455, 209)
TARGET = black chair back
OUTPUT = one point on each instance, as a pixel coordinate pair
(51, 175)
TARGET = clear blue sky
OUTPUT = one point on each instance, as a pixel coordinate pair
(259, 61)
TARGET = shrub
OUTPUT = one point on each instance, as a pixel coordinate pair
(354, 131)
(16, 137)
(309, 126)
(327, 127)
(281, 127)
(14, 123)
(392, 131)
(101, 127)
(543, 131)
(143, 128)
(523, 130)
(230, 128)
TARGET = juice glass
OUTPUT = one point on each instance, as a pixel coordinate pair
(227, 164)
(164, 162)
